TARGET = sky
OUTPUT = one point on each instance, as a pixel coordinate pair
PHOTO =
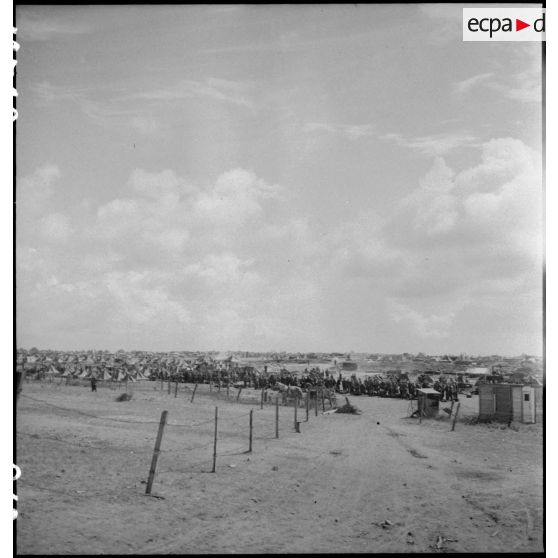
(298, 178)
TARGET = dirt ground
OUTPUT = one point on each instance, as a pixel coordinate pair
(376, 482)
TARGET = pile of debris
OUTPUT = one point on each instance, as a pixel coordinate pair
(348, 408)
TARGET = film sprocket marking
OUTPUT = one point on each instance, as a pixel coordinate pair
(17, 475)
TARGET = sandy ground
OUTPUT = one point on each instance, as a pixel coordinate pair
(85, 459)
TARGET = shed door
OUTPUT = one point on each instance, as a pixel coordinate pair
(503, 402)
(528, 402)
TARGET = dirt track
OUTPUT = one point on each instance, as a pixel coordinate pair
(327, 489)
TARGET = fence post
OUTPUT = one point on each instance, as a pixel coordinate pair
(251, 429)
(455, 416)
(238, 394)
(323, 400)
(307, 403)
(419, 409)
(215, 442)
(175, 388)
(295, 410)
(261, 403)
(194, 394)
(277, 417)
(156, 451)
(169, 385)
(316, 402)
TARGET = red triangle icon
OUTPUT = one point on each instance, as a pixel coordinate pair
(519, 25)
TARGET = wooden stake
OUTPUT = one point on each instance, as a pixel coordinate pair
(156, 451)
(307, 404)
(20, 383)
(297, 427)
(194, 394)
(215, 442)
(455, 416)
(316, 406)
(323, 400)
(419, 410)
(175, 389)
(169, 386)
(262, 401)
(251, 430)
(238, 394)
(277, 417)
(295, 410)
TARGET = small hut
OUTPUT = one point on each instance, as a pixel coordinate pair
(507, 402)
(428, 402)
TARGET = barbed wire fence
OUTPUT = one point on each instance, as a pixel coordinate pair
(181, 446)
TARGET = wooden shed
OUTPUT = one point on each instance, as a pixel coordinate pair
(428, 401)
(506, 402)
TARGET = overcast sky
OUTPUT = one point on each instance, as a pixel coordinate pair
(276, 178)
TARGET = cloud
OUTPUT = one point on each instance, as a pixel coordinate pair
(423, 324)
(168, 263)
(235, 198)
(55, 226)
(349, 131)
(216, 89)
(33, 190)
(35, 26)
(101, 112)
(434, 145)
(524, 86)
(464, 86)
(468, 237)
(146, 125)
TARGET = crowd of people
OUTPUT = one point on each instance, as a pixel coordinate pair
(390, 385)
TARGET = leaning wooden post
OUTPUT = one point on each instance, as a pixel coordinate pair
(169, 386)
(194, 394)
(323, 400)
(277, 417)
(455, 416)
(156, 451)
(316, 406)
(215, 442)
(238, 394)
(295, 410)
(175, 389)
(262, 401)
(251, 430)
(307, 404)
